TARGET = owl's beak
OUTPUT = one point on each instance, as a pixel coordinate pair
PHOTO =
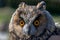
(26, 29)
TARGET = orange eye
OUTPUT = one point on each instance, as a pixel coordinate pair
(22, 23)
(36, 23)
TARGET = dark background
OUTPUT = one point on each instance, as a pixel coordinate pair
(52, 5)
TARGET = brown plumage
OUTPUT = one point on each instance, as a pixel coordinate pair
(31, 23)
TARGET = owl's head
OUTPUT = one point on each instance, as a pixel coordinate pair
(29, 20)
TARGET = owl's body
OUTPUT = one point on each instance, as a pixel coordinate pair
(31, 23)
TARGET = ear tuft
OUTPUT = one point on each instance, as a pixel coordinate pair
(42, 5)
(22, 5)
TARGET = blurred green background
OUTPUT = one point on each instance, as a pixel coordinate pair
(7, 7)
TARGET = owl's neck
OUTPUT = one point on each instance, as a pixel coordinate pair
(44, 36)
(31, 38)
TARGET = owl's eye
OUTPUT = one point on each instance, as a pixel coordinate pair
(36, 23)
(22, 23)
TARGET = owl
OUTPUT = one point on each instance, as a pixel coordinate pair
(30, 22)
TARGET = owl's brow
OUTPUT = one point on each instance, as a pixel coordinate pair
(38, 16)
(21, 18)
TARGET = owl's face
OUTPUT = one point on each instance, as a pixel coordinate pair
(28, 21)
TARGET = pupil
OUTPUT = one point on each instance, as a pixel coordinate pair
(36, 22)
